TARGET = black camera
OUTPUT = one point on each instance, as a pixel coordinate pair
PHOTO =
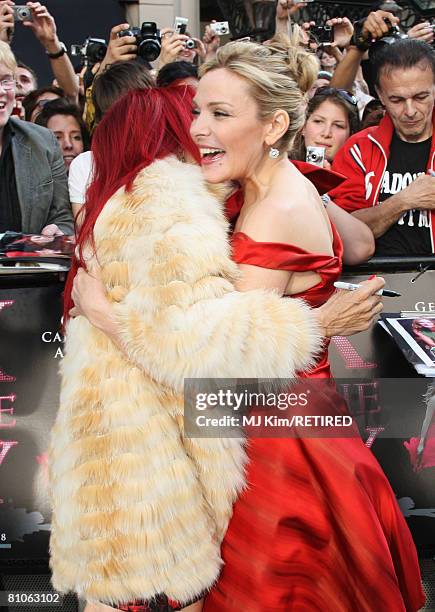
(147, 39)
(322, 35)
(92, 50)
(394, 34)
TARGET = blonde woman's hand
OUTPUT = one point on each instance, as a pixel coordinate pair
(350, 312)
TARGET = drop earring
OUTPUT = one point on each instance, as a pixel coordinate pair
(273, 153)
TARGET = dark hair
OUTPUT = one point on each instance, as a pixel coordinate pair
(63, 107)
(331, 95)
(116, 81)
(175, 71)
(32, 72)
(30, 101)
(405, 53)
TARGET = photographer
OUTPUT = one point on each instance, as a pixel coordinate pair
(44, 28)
(174, 48)
(377, 25)
(120, 48)
(388, 167)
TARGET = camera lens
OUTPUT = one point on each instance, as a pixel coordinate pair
(96, 52)
(190, 44)
(149, 50)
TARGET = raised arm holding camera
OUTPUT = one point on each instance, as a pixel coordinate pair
(35, 16)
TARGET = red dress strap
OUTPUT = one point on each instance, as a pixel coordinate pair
(281, 256)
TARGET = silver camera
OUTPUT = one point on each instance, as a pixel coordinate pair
(220, 28)
(22, 13)
(180, 25)
(315, 155)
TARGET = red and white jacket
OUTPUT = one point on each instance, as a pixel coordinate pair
(363, 161)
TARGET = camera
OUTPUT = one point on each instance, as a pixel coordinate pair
(220, 28)
(92, 50)
(190, 44)
(393, 34)
(180, 25)
(315, 155)
(22, 13)
(147, 39)
(322, 35)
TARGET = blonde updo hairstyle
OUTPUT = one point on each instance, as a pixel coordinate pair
(278, 74)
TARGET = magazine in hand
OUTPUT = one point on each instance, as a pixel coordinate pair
(415, 336)
(34, 252)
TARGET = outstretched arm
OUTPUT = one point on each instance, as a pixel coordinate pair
(44, 28)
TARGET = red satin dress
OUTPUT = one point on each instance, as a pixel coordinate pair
(318, 527)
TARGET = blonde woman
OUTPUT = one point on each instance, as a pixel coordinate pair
(318, 526)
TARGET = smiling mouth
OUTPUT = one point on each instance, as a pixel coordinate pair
(2, 105)
(211, 155)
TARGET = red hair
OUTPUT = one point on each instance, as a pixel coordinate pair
(141, 127)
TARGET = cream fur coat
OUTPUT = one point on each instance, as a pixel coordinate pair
(138, 509)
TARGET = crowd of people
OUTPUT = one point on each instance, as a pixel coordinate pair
(203, 190)
(351, 92)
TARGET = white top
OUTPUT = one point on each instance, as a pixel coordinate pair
(79, 177)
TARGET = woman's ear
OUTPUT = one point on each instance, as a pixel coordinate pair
(277, 127)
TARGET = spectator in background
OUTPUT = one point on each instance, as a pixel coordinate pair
(174, 48)
(109, 85)
(388, 167)
(33, 184)
(27, 81)
(332, 116)
(35, 101)
(65, 121)
(327, 61)
(184, 72)
(323, 80)
(373, 113)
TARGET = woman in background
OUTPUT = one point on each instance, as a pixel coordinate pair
(65, 121)
(332, 116)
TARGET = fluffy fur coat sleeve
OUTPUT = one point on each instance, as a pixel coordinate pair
(138, 509)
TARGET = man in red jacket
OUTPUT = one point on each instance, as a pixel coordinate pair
(389, 167)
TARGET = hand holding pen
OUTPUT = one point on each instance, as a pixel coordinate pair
(350, 312)
(354, 287)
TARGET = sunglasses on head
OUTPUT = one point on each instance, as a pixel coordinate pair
(341, 93)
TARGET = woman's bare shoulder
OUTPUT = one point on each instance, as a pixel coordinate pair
(291, 213)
